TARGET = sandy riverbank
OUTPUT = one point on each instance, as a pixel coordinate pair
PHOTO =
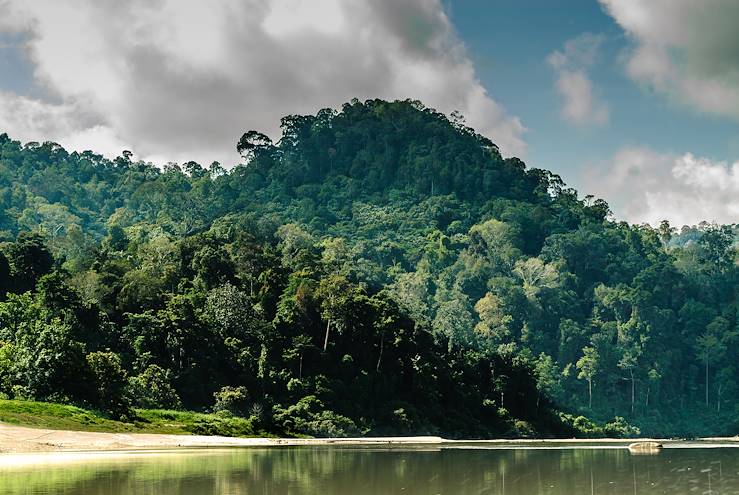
(18, 439)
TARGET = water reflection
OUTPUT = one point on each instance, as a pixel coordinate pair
(335, 470)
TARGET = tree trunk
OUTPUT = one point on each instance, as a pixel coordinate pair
(325, 341)
(382, 345)
(631, 371)
(590, 393)
(706, 382)
(300, 367)
(718, 402)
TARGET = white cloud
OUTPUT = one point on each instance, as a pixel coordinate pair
(184, 78)
(644, 186)
(580, 106)
(11, 21)
(685, 49)
(68, 123)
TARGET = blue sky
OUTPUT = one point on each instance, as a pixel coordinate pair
(15, 69)
(510, 43)
(636, 101)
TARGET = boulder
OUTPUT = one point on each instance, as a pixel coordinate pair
(645, 447)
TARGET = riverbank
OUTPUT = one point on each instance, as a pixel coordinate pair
(32, 427)
(18, 439)
(21, 439)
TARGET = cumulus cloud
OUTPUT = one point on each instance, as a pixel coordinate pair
(183, 79)
(580, 106)
(69, 123)
(645, 186)
(685, 49)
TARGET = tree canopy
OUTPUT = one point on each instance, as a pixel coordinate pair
(378, 269)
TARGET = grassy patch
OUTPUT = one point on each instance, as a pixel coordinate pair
(63, 417)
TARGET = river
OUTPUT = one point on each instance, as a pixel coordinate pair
(326, 470)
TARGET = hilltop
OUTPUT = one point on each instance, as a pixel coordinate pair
(381, 269)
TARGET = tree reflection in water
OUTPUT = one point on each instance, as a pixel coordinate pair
(364, 471)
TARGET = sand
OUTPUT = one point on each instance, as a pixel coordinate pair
(19, 439)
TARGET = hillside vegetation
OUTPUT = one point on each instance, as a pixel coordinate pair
(379, 270)
(66, 417)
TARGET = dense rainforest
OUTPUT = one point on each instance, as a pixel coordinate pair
(379, 269)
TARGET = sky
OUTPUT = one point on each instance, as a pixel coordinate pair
(633, 101)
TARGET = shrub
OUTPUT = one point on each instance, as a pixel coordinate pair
(109, 379)
(309, 417)
(586, 427)
(225, 427)
(153, 389)
(583, 427)
(7, 367)
(233, 400)
(49, 362)
(330, 424)
(402, 418)
(296, 386)
(619, 428)
(524, 429)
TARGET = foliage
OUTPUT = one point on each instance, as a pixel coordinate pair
(379, 269)
(152, 389)
(231, 400)
(309, 417)
(616, 428)
(66, 417)
(109, 381)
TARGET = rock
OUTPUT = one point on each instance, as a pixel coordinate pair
(645, 447)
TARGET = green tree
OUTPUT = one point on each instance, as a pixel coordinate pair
(300, 344)
(50, 362)
(153, 389)
(547, 378)
(588, 365)
(536, 275)
(710, 347)
(335, 293)
(494, 321)
(232, 400)
(29, 259)
(109, 380)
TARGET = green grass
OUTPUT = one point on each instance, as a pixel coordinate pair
(63, 417)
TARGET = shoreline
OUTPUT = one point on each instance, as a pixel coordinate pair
(23, 440)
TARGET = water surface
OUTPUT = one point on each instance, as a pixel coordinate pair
(360, 471)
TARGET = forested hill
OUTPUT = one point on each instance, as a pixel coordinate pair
(379, 269)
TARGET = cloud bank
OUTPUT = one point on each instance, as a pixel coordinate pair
(644, 186)
(182, 79)
(580, 106)
(685, 49)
